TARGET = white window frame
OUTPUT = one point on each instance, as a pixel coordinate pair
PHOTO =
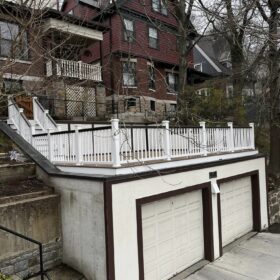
(126, 76)
(198, 67)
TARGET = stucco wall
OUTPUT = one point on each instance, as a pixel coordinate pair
(124, 197)
(83, 227)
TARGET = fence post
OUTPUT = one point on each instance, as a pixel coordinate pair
(203, 140)
(231, 140)
(166, 140)
(77, 146)
(49, 146)
(115, 143)
(252, 134)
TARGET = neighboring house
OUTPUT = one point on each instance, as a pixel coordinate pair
(40, 55)
(139, 56)
(211, 55)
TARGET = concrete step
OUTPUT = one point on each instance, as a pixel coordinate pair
(63, 272)
(23, 190)
(12, 171)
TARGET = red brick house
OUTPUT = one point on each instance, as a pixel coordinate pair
(139, 55)
(40, 56)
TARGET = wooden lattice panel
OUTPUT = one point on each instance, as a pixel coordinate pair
(80, 102)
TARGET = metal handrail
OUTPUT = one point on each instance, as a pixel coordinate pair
(41, 273)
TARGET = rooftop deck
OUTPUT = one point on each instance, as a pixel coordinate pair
(118, 146)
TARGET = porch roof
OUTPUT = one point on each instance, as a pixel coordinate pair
(72, 29)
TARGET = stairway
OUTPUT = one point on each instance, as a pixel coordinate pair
(41, 121)
(31, 208)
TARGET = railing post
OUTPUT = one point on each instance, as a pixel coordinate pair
(45, 118)
(231, 140)
(80, 69)
(166, 140)
(115, 143)
(252, 134)
(49, 146)
(35, 113)
(77, 146)
(204, 139)
(20, 121)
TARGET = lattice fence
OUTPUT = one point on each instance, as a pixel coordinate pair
(80, 102)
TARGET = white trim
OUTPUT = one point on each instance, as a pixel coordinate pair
(22, 77)
(16, 60)
(73, 29)
(145, 167)
(171, 71)
(208, 58)
(133, 60)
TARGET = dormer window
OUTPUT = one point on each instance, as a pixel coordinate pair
(159, 6)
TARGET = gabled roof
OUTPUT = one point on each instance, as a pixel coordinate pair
(215, 50)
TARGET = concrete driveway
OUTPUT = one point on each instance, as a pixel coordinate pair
(255, 259)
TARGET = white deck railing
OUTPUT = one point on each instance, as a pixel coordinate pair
(74, 69)
(114, 145)
(42, 117)
(19, 121)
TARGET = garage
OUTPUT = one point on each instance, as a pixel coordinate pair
(236, 207)
(173, 234)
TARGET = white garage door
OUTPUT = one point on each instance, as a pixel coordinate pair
(172, 235)
(236, 209)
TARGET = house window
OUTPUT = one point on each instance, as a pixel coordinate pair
(13, 41)
(173, 108)
(159, 6)
(204, 92)
(153, 105)
(153, 38)
(128, 30)
(172, 82)
(129, 74)
(130, 103)
(229, 91)
(12, 86)
(152, 78)
(198, 67)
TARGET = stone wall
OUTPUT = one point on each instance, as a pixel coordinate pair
(28, 262)
(35, 215)
(274, 206)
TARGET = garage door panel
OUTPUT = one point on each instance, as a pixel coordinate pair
(179, 240)
(164, 206)
(236, 209)
(148, 211)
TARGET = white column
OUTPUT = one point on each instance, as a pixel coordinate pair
(166, 140)
(115, 143)
(252, 135)
(231, 141)
(204, 140)
(77, 146)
